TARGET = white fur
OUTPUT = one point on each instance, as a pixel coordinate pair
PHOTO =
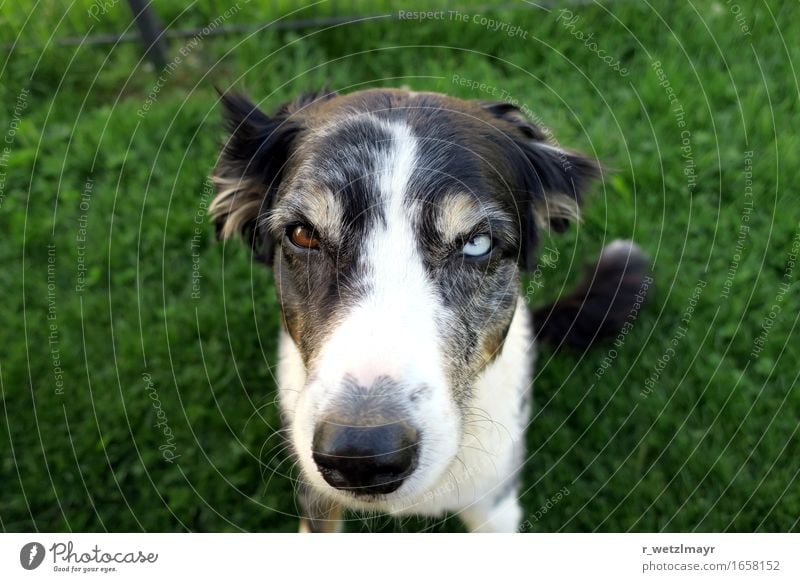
(464, 464)
(471, 482)
(391, 332)
(503, 516)
(493, 443)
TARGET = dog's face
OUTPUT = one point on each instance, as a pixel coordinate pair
(396, 224)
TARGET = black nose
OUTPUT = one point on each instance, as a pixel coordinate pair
(365, 459)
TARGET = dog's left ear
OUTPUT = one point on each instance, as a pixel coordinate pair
(549, 182)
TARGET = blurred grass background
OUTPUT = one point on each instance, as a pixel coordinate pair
(90, 180)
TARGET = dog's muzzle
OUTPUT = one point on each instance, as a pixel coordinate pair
(366, 444)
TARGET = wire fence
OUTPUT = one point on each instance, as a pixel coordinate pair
(154, 25)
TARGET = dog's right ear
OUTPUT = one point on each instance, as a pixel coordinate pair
(250, 168)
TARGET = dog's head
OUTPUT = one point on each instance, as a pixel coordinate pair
(397, 224)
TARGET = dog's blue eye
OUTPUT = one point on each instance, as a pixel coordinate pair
(478, 246)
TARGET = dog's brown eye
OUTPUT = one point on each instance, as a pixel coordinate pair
(303, 237)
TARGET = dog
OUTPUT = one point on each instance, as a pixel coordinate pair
(397, 225)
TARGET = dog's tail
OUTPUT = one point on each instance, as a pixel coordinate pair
(611, 293)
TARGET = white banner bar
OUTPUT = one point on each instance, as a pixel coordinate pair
(401, 557)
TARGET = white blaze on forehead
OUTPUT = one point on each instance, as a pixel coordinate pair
(395, 167)
(392, 331)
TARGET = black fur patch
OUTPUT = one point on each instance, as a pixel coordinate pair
(601, 304)
(327, 144)
(537, 171)
(255, 158)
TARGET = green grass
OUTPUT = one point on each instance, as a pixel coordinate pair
(713, 447)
